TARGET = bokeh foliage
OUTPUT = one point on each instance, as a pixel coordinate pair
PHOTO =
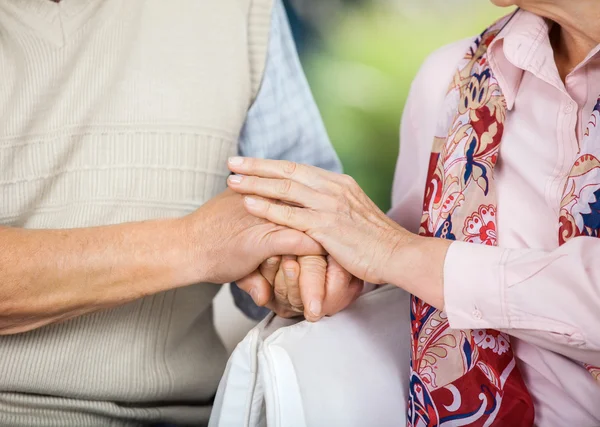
(361, 72)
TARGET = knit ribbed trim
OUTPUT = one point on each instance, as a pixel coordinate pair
(259, 25)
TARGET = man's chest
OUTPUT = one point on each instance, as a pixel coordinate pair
(136, 110)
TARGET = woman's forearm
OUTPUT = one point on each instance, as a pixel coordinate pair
(52, 275)
(418, 267)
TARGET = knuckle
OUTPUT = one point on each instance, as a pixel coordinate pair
(279, 283)
(296, 240)
(296, 302)
(267, 209)
(285, 187)
(290, 268)
(289, 168)
(311, 261)
(350, 186)
(288, 212)
(340, 204)
(280, 294)
(348, 180)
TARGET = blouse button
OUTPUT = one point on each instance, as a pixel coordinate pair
(568, 108)
(477, 314)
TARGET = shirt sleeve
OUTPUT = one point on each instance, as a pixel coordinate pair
(284, 122)
(551, 298)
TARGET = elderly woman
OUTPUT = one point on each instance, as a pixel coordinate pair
(494, 226)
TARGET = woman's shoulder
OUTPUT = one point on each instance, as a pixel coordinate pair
(448, 56)
(417, 131)
(430, 85)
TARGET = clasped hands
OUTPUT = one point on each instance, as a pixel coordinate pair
(311, 285)
(332, 210)
(338, 236)
(226, 243)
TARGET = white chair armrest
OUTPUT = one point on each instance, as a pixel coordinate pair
(348, 370)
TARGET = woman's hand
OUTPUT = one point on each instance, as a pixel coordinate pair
(334, 211)
(330, 208)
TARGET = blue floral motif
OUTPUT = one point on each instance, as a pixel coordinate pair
(591, 220)
(421, 409)
(597, 106)
(445, 230)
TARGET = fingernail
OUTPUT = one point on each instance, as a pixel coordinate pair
(235, 179)
(251, 201)
(254, 295)
(272, 262)
(290, 273)
(315, 307)
(236, 160)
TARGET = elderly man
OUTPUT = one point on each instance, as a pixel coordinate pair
(117, 118)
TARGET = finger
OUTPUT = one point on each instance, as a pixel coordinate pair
(310, 176)
(258, 287)
(287, 241)
(280, 297)
(278, 189)
(280, 304)
(269, 268)
(291, 273)
(341, 288)
(313, 270)
(357, 288)
(354, 291)
(290, 216)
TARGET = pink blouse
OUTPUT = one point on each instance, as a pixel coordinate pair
(547, 297)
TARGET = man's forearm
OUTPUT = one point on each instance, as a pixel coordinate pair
(52, 275)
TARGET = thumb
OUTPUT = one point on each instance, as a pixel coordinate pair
(257, 287)
(292, 242)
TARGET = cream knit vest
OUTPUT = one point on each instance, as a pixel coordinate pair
(114, 111)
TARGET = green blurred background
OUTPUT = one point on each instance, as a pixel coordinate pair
(360, 58)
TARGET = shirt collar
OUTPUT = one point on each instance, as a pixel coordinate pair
(524, 45)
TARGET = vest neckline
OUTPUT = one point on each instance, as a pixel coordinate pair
(55, 22)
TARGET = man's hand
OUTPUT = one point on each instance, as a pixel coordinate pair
(315, 286)
(228, 243)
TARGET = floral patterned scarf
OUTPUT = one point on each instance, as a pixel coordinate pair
(470, 377)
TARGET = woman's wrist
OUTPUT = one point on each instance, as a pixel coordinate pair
(416, 264)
